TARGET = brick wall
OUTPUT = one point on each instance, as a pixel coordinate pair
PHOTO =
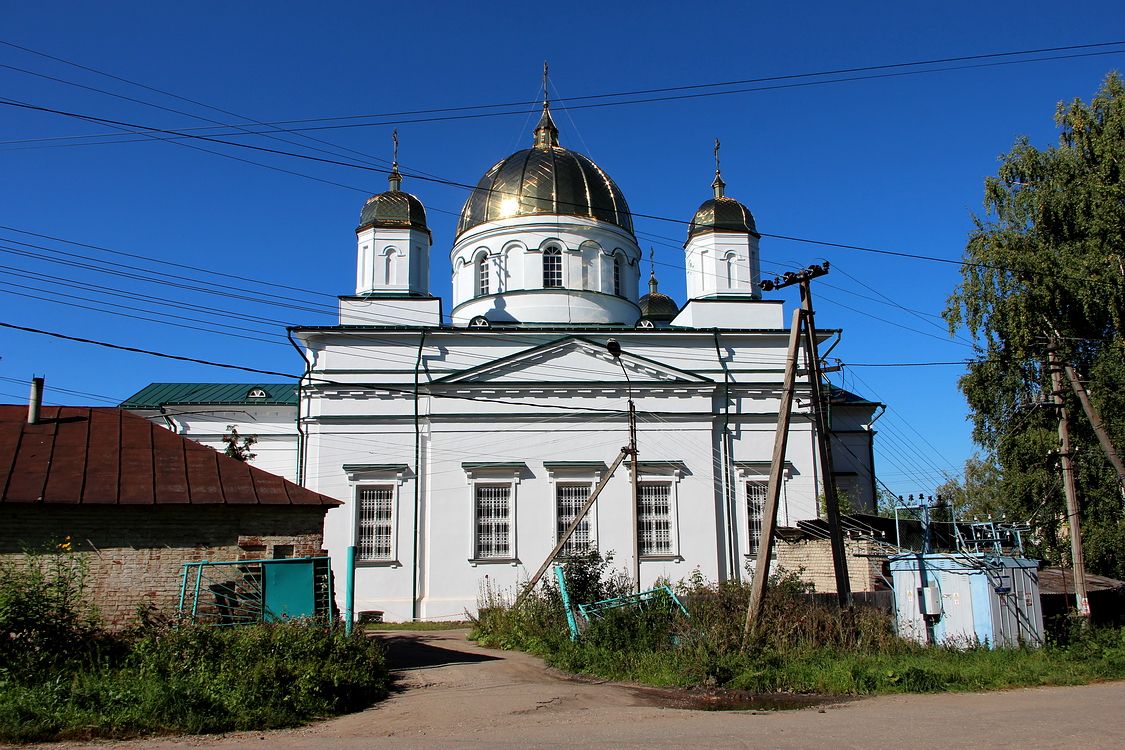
(815, 556)
(135, 554)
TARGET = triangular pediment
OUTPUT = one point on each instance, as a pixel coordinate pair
(572, 360)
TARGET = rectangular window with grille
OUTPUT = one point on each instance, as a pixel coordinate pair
(569, 498)
(654, 518)
(376, 518)
(617, 275)
(494, 521)
(552, 268)
(755, 502)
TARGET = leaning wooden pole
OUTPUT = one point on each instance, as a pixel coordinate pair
(777, 465)
(824, 446)
(565, 536)
(1096, 422)
(1066, 459)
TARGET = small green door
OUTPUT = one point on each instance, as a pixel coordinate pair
(288, 590)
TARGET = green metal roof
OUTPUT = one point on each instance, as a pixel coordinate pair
(155, 395)
(840, 397)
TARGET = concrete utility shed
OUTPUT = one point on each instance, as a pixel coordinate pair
(138, 501)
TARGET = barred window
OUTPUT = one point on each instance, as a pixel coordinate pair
(494, 521)
(617, 275)
(569, 498)
(376, 511)
(755, 502)
(552, 268)
(482, 274)
(654, 518)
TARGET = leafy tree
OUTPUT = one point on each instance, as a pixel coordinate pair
(978, 493)
(1047, 259)
(238, 447)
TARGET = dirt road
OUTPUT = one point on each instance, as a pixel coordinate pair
(454, 694)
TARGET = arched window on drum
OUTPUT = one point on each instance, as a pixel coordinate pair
(484, 281)
(552, 268)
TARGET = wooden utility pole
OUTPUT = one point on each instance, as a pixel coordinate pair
(803, 322)
(1067, 461)
(773, 489)
(824, 438)
(1099, 426)
(635, 492)
(565, 536)
(614, 348)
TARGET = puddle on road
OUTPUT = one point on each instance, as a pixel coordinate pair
(736, 700)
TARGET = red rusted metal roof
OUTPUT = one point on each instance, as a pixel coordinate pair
(107, 456)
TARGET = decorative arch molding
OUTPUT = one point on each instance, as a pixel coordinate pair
(549, 243)
(390, 255)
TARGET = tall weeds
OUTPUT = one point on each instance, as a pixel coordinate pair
(799, 645)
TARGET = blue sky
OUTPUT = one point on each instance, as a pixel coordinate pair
(895, 163)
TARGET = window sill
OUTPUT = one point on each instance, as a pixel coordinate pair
(378, 564)
(475, 561)
(662, 558)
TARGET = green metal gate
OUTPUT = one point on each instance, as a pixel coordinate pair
(247, 591)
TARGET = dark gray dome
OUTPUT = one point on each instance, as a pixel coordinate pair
(545, 179)
(393, 208)
(658, 307)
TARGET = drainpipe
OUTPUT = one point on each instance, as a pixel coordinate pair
(417, 480)
(35, 401)
(728, 478)
(871, 457)
(301, 442)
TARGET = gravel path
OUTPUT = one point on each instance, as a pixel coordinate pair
(455, 694)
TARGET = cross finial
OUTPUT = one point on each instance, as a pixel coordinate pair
(546, 134)
(651, 270)
(394, 178)
(718, 185)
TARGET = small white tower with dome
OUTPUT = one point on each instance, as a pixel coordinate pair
(393, 242)
(722, 247)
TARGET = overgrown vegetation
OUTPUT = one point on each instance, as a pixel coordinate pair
(1045, 262)
(64, 676)
(801, 645)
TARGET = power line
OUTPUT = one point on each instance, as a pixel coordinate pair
(910, 364)
(666, 89)
(291, 376)
(454, 183)
(149, 352)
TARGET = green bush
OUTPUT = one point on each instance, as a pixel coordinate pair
(46, 626)
(63, 676)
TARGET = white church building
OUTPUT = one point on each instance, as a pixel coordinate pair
(463, 442)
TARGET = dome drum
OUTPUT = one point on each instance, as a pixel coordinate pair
(548, 307)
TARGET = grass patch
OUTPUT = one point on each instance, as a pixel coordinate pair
(64, 677)
(801, 647)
